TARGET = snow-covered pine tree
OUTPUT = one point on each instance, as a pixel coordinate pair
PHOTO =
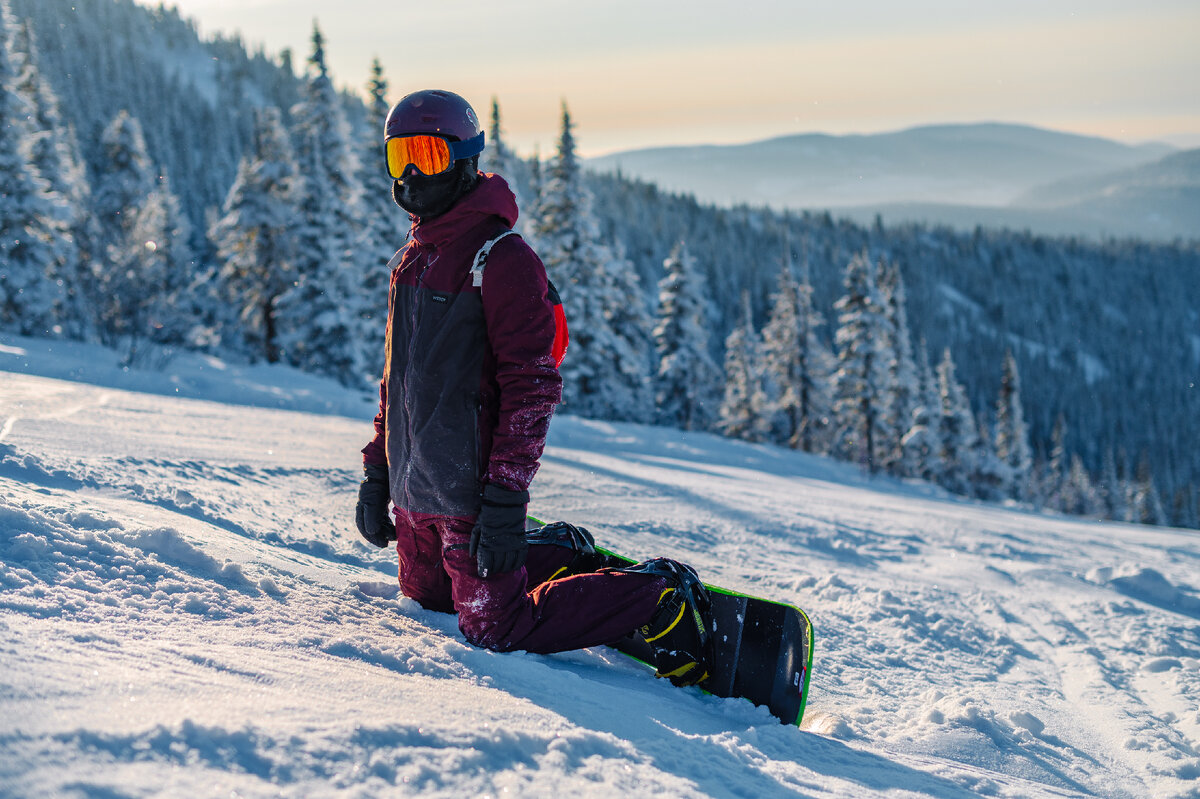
(1146, 501)
(959, 432)
(152, 268)
(377, 111)
(499, 159)
(630, 317)
(686, 381)
(777, 343)
(320, 317)
(174, 307)
(1054, 474)
(1185, 510)
(34, 236)
(798, 365)
(385, 227)
(600, 375)
(128, 177)
(1079, 495)
(904, 383)
(54, 153)
(54, 147)
(862, 399)
(254, 240)
(1012, 434)
(1129, 489)
(531, 214)
(119, 191)
(1113, 491)
(742, 408)
(990, 480)
(922, 445)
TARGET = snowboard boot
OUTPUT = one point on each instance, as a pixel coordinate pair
(576, 539)
(680, 631)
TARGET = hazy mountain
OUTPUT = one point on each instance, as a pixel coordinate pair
(1161, 197)
(1159, 200)
(920, 173)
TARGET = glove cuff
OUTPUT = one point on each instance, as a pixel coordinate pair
(498, 495)
(376, 472)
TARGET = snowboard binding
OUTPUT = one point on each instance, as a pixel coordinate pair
(680, 632)
(764, 653)
(576, 539)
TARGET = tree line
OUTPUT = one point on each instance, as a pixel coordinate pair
(864, 394)
(715, 333)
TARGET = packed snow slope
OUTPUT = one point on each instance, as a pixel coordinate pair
(186, 610)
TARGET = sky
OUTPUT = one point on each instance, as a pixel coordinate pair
(644, 73)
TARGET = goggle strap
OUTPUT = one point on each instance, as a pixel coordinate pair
(468, 148)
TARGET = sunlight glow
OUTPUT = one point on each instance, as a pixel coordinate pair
(693, 73)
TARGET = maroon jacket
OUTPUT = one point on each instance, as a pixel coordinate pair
(469, 380)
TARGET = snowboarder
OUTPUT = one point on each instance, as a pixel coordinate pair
(469, 385)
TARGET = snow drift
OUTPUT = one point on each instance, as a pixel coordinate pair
(185, 609)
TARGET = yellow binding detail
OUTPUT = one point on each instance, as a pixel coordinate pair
(682, 670)
(670, 626)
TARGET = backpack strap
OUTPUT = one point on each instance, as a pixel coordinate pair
(561, 335)
(392, 264)
(481, 258)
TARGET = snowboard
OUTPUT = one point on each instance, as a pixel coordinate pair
(762, 649)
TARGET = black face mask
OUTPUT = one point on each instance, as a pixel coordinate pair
(427, 196)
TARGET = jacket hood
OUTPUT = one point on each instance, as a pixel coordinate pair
(491, 197)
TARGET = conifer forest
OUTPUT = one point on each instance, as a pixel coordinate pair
(163, 191)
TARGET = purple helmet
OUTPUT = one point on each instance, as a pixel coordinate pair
(434, 111)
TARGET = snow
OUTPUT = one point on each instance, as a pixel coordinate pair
(186, 610)
(955, 299)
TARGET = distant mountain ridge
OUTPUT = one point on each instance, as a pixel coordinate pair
(1155, 201)
(1180, 169)
(925, 173)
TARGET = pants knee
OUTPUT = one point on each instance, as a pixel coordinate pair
(484, 633)
(487, 622)
(427, 584)
(430, 600)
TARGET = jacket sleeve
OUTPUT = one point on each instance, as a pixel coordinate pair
(520, 328)
(375, 451)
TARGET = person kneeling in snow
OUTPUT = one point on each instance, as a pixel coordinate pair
(469, 385)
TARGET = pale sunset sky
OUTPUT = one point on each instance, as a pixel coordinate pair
(642, 73)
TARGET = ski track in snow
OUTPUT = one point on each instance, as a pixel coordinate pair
(185, 609)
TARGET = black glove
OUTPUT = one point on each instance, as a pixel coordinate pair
(498, 540)
(371, 513)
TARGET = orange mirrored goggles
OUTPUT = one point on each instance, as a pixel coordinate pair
(431, 155)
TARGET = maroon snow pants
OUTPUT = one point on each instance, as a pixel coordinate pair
(524, 609)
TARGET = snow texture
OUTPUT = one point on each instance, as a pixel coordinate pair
(186, 610)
